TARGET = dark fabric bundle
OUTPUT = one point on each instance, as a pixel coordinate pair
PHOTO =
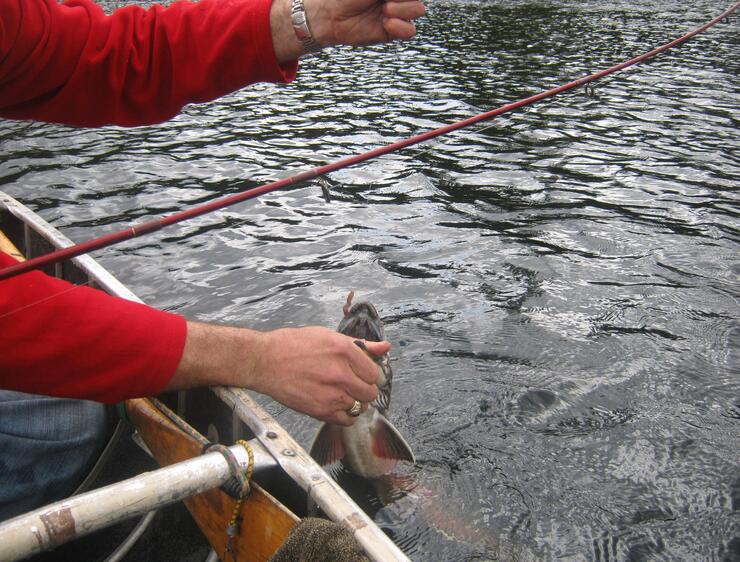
(319, 540)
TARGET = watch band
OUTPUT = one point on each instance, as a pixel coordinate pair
(300, 26)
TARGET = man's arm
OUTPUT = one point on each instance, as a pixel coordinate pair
(71, 63)
(60, 339)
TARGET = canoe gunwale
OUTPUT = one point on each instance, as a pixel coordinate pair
(304, 470)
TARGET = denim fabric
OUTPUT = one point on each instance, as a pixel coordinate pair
(47, 447)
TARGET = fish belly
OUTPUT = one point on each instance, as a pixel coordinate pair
(358, 445)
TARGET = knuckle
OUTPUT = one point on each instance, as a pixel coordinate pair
(326, 413)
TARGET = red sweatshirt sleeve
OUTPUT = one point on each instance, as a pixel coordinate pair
(70, 63)
(60, 339)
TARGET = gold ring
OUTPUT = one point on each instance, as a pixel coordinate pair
(355, 410)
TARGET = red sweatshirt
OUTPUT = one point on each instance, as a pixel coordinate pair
(70, 63)
(65, 340)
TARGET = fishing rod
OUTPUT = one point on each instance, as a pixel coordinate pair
(157, 224)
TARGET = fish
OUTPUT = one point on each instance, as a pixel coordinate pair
(372, 446)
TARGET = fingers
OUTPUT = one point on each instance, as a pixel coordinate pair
(342, 417)
(378, 348)
(340, 413)
(403, 9)
(399, 16)
(363, 386)
(399, 29)
(362, 391)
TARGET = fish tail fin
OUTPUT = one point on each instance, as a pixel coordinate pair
(388, 443)
(328, 446)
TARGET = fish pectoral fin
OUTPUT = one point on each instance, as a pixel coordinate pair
(328, 446)
(388, 443)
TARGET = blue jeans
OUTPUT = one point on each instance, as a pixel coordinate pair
(47, 447)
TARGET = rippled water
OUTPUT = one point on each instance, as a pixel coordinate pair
(560, 285)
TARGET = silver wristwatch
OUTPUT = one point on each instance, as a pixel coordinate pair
(300, 26)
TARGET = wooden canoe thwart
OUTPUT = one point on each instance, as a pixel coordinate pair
(265, 522)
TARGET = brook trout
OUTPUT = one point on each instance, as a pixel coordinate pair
(372, 445)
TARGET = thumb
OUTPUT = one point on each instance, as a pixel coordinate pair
(378, 348)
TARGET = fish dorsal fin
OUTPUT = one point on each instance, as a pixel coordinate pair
(388, 443)
(328, 446)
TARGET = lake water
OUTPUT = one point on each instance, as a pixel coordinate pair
(560, 284)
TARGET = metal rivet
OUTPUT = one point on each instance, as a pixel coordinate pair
(271, 434)
(289, 452)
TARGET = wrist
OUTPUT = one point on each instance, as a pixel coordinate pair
(319, 22)
(285, 40)
(302, 27)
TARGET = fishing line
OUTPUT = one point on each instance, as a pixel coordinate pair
(157, 224)
(46, 298)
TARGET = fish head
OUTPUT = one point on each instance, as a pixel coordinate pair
(362, 321)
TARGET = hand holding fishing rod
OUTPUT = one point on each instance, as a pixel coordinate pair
(312, 370)
(303, 26)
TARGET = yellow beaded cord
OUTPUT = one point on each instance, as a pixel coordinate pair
(233, 527)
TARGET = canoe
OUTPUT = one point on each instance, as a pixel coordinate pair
(108, 517)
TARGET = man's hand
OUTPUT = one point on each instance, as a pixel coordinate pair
(344, 22)
(313, 370)
(362, 22)
(317, 371)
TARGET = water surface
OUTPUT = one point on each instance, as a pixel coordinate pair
(560, 284)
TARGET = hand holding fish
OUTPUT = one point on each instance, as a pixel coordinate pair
(313, 370)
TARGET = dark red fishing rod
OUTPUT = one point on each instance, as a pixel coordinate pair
(156, 224)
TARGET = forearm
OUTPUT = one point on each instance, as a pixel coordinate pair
(218, 355)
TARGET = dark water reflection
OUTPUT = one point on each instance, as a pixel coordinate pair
(560, 285)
